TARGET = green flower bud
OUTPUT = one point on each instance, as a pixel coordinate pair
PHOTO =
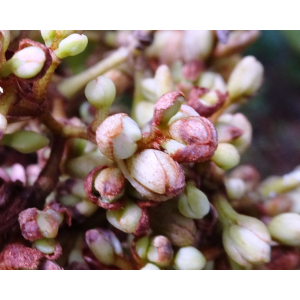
(81, 166)
(126, 219)
(285, 228)
(246, 78)
(58, 217)
(150, 267)
(212, 81)
(117, 136)
(46, 246)
(189, 258)
(193, 203)
(101, 92)
(47, 224)
(25, 141)
(71, 45)
(104, 245)
(144, 113)
(142, 246)
(226, 156)
(86, 207)
(110, 183)
(235, 188)
(48, 36)
(4, 40)
(26, 63)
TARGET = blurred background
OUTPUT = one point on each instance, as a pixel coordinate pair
(275, 112)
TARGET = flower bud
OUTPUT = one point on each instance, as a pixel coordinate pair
(246, 78)
(212, 81)
(197, 44)
(46, 246)
(81, 166)
(189, 258)
(199, 136)
(193, 203)
(160, 251)
(235, 188)
(285, 228)
(206, 102)
(71, 45)
(48, 226)
(101, 92)
(184, 112)
(156, 173)
(117, 136)
(48, 36)
(166, 107)
(4, 40)
(126, 219)
(27, 62)
(104, 245)
(110, 183)
(150, 267)
(226, 156)
(25, 141)
(85, 207)
(141, 247)
(144, 113)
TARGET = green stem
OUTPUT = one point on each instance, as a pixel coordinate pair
(70, 86)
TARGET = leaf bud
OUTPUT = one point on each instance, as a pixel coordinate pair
(156, 173)
(71, 45)
(27, 62)
(246, 78)
(285, 228)
(117, 136)
(101, 92)
(25, 141)
(226, 156)
(189, 258)
(104, 245)
(193, 203)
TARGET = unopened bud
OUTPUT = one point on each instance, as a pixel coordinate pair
(285, 228)
(101, 92)
(104, 245)
(184, 112)
(226, 156)
(150, 267)
(117, 136)
(144, 113)
(46, 246)
(86, 207)
(71, 45)
(172, 146)
(212, 81)
(193, 203)
(48, 36)
(110, 183)
(197, 44)
(25, 141)
(166, 107)
(189, 258)
(48, 226)
(246, 78)
(235, 188)
(26, 63)
(160, 251)
(157, 172)
(126, 219)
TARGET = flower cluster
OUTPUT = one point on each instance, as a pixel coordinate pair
(88, 184)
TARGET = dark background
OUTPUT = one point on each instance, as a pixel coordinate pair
(275, 112)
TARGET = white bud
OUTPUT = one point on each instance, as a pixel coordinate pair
(189, 258)
(71, 45)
